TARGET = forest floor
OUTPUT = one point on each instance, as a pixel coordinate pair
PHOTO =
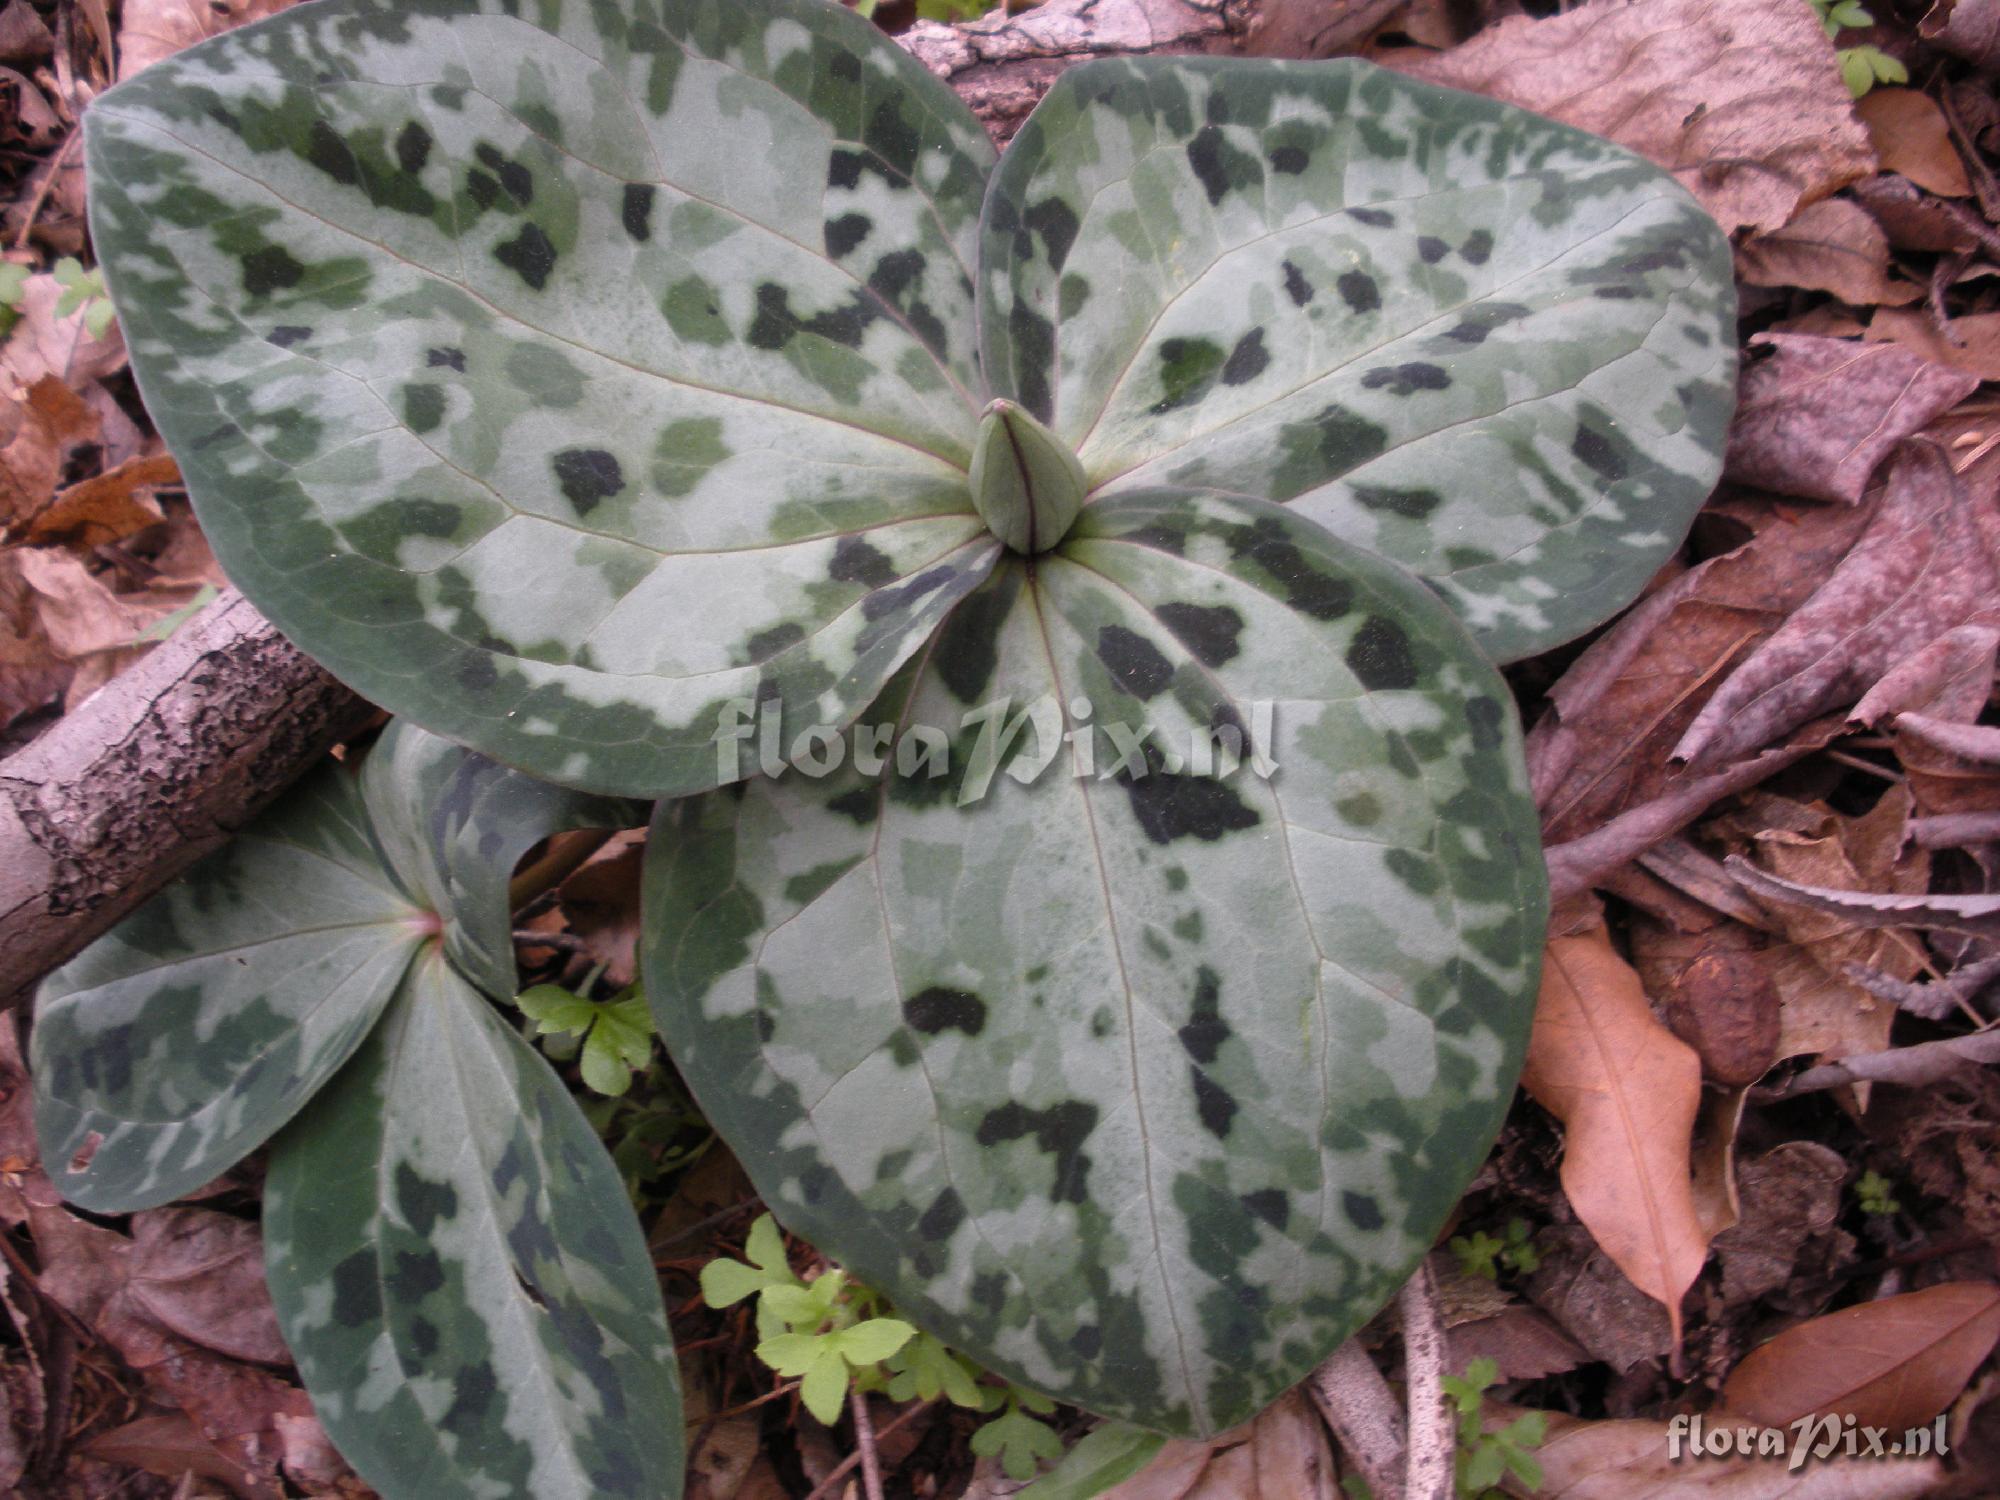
(1755, 1165)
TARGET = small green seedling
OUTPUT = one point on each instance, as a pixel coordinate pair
(1875, 1194)
(13, 287)
(1485, 1458)
(612, 1037)
(1483, 1254)
(1862, 67)
(834, 1335)
(84, 290)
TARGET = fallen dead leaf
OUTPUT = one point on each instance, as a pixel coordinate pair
(50, 422)
(168, 1444)
(1912, 218)
(1785, 1239)
(1817, 416)
(79, 614)
(1589, 1298)
(24, 36)
(1822, 1011)
(1281, 1455)
(1740, 99)
(1627, 1091)
(1911, 137)
(105, 508)
(1725, 1006)
(1970, 343)
(201, 1274)
(1626, 1460)
(152, 29)
(1928, 561)
(1970, 29)
(1895, 1363)
(1831, 246)
(1524, 1343)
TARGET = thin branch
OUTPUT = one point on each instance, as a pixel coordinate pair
(1913, 1067)
(1433, 1443)
(1357, 1404)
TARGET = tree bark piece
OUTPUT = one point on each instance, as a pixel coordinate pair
(1001, 65)
(156, 769)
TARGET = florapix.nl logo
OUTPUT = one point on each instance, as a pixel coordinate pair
(995, 738)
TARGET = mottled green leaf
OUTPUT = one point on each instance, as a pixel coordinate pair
(202, 1023)
(524, 406)
(1144, 1090)
(459, 1275)
(1107, 1455)
(183, 1038)
(1489, 347)
(453, 825)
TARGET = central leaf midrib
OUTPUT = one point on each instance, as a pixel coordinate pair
(1196, 1394)
(515, 1308)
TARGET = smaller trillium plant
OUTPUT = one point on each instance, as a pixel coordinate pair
(593, 384)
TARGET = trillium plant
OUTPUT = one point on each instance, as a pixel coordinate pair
(1053, 602)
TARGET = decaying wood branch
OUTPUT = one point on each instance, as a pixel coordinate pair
(165, 762)
(1002, 64)
(148, 774)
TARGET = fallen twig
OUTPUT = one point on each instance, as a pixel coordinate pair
(1913, 1066)
(1357, 1404)
(1432, 1439)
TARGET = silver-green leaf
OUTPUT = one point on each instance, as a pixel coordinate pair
(182, 1040)
(1489, 347)
(531, 408)
(459, 1276)
(1144, 1087)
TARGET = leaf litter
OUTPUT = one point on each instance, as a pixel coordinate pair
(1778, 773)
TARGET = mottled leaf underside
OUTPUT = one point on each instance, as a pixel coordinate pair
(571, 376)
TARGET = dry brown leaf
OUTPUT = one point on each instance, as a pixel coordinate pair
(77, 612)
(1281, 1455)
(1822, 1011)
(105, 508)
(1970, 343)
(1929, 561)
(149, 30)
(1635, 1460)
(1911, 137)
(1895, 1363)
(1603, 746)
(1740, 99)
(200, 1274)
(24, 36)
(1912, 218)
(1816, 416)
(1832, 246)
(88, 1270)
(48, 422)
(1970, 29)
(169, 1445)
(1524, 1343)
(1627, 1091)
(1785, 1238)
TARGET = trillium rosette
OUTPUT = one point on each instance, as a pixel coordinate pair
(596, 384)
